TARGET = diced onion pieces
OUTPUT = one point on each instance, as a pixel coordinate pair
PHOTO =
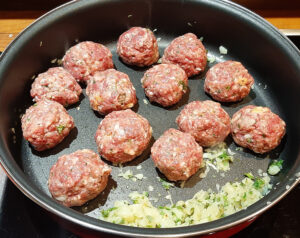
(223, 50)
(230, 198)
(275, 167)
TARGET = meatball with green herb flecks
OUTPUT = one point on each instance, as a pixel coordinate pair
(188, 52)
(85, 58)
(45, 124)
(110, 90)
(206, 120)
(56, 84)
(78, 177)
(138, 46)
(122, 136)
(228, 81)
(165, 84)
(257, 128)
(177, 155)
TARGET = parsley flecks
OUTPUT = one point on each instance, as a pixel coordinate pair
(60, 128)
(105, 213)
(224, 155)
(166, 184)
(249, 175)
(258, 183)
(184, 87)
(277, 163)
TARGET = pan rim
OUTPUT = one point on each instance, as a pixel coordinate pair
(47, 203)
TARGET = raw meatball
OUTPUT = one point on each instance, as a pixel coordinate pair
(122, 136)
(110, 90)
(56, 84)
(45, 124)
(206, 121)
(188, 52)
(138, 46)
(165, 84)
(228, 81)
(78, 177)
(177, 155)
(257, 128)
(86, 58)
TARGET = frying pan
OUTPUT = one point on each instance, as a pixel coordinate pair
(270, 57)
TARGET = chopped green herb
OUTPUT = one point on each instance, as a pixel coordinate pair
(60, 128)
(245, 195)
(249, 175)
(228, 87)
(149, 218)
(146, 194)
(277, 163)
(166, 184)
(184, 87)
(226, 203)
(211, 58)
(249, 140)
(224, 155)
(135, 201)
(258, 183)
(105, 213)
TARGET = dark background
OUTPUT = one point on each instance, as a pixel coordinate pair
(49, 4)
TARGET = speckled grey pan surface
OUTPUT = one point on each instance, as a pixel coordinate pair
(271, 59)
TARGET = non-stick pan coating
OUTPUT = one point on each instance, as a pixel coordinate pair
(269, 57)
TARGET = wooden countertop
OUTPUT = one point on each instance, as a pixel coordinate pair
(13, 22)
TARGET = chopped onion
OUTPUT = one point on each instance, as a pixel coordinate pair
(211, 58)
(223, 50)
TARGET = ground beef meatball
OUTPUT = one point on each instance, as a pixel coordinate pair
(257, 128)
(138, 46)
(122, 136)
(45, 124)
(86, 58)
(165, 84)
(78, 177)
(228, 81)
(56, 84)
(207, 121)
(177, 155)
(110, 90)
(188, 52)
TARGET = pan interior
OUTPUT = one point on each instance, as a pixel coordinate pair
(268, 57)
